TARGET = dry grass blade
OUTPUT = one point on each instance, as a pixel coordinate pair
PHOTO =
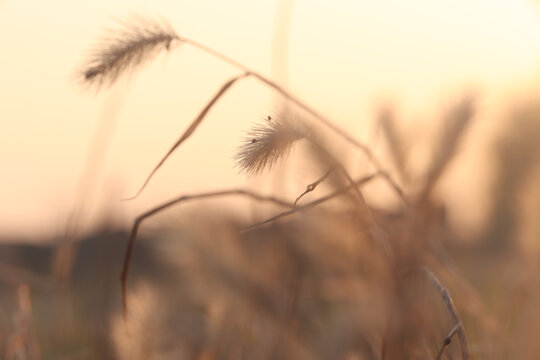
(138, 40)
(190, 130)
(266, 144)
(395, 143)
(183, 198)
(455, 124)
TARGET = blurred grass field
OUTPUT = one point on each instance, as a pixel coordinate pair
(314, 285)
(326, 273)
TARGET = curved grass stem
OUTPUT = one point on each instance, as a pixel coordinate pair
(138, 221)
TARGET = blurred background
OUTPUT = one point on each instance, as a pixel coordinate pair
(68, 155)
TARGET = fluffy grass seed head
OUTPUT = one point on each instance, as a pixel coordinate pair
(267, 143)
(122, 50)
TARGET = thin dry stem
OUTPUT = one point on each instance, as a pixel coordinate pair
(138, 221)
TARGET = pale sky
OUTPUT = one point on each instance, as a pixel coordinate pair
(344, 58)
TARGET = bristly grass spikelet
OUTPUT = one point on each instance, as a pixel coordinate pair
(122, 50)
(267, 143)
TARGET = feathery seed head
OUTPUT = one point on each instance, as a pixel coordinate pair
(137, 40)
(267, 143)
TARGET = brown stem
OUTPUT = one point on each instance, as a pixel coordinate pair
(157, 209)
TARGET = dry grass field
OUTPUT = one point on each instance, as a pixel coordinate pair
(323, 275)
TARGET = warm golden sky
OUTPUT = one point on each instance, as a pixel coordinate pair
(344, 57)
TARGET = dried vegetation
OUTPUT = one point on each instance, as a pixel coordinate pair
(326, 276)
